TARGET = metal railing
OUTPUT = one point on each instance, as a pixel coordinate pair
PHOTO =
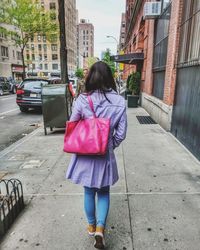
(11, 203)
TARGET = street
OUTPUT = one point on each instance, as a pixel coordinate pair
(13, 123)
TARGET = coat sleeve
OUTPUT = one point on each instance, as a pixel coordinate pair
(120, 130)
(76, 110)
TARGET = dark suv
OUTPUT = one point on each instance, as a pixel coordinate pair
(29, 92)
(4, 85)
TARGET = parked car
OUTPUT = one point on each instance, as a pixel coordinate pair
(4, 85)
(13, 85)
(29, 92)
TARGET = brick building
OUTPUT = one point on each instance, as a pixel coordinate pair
(122, 32)
(169, 47)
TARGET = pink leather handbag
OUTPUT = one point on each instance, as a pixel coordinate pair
(88, 136)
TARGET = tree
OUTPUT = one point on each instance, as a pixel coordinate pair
(63, 52)
(30, 18)
(90, 61)
(79, 73)
(107, 60)
(134, 83)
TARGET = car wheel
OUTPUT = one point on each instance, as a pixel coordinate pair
(1, 92)
(23, 109)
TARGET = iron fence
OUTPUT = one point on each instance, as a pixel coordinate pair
(11, 203)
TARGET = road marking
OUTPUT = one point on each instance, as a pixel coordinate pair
(12, 110)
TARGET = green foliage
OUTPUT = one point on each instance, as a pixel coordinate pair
(90, 61)
(30, 18)
(127, 82)
(79, 73)
(133, 83)
(110, 63)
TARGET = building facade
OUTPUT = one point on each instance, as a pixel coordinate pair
(10, 55)
(42, 55)
(170, 89)
(122, 32)
(85, 37)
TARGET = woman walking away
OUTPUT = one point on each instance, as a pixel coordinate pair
(96, 173)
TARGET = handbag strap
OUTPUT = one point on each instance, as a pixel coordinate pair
(91, 104)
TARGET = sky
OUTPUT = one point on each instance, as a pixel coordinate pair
(105, 15)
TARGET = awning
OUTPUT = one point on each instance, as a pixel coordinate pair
(17, 68)
(132, 58)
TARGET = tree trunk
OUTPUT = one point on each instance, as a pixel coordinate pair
(23, 64)
(63, 51)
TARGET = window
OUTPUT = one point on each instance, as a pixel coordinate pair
(32, 46)
(84, 32)
(53, 16)
(33, 57)
(190, 33)
(3, 35)
(39, 47)
(54, 47)
(45, 56)
(41, 66)
(54, 66)
(54, 57)
(44, 38)
(40, 57)
(87, 32)
(52, 6)
(27, 46)
(42, 5)
(19, 55)
(45, 47)
(4, 51)
(160, 52)
(32, 38)
(28, 57)
(165, 4)
(33, 66)
(46, 66)
(39, 38)
(53, 38)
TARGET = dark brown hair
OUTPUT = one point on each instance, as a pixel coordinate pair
(100, 78)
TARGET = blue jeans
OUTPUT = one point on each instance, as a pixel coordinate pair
(102, 208)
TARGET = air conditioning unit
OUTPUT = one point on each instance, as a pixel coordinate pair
(152, 10)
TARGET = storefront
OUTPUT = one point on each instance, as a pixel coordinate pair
(17, 72)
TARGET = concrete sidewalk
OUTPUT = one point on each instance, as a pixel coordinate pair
(155, 205)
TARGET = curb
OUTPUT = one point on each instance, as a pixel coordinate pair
(19, 142)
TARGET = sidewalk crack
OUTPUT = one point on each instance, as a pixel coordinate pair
(127, 195)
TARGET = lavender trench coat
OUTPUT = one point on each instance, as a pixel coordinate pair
(99, 171)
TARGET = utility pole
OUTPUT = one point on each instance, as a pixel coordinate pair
(63, 51)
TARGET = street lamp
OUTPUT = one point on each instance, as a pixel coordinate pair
(114, 39)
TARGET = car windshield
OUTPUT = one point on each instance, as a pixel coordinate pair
(33, 84)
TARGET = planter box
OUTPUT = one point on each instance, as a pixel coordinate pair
(127, 92)
(133, 101)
